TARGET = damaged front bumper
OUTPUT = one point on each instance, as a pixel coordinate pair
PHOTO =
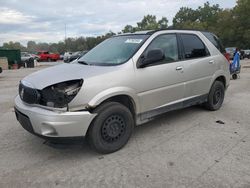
(52, 124)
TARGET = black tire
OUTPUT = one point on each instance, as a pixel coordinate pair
(234, 76)
(215, 96)
(111, 128)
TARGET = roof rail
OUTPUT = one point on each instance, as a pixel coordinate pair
(171, 28)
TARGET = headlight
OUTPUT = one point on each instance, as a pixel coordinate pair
(60, 94)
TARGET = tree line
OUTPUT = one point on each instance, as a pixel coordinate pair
(231, 25)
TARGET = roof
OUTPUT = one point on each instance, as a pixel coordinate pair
(150, 32)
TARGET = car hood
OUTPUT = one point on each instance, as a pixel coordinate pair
(65, 72)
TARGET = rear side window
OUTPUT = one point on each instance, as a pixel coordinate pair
(215, 41)
(193, 46)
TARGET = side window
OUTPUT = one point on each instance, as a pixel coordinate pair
(214, 40)
(169, 46)
(193, 46)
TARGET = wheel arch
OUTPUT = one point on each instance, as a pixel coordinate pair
(125, 96)
(124, 100)
(222, 77)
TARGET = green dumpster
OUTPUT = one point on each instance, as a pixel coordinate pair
(13, 56)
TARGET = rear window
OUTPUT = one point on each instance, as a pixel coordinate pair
(215, 41)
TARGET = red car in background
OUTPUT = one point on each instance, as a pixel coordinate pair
(47, 56)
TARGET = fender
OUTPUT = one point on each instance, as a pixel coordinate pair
(112, 92)
(219, 73)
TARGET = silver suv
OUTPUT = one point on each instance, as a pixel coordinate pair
(124, 81)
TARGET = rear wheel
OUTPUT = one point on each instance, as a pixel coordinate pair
(111, 129)
(216, 96)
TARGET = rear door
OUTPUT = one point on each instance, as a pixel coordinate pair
(199, 65)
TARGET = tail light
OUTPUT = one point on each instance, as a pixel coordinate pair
(227, 56)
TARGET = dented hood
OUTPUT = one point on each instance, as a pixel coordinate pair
(64, 72)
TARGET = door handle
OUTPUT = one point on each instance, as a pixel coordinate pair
(179, 68)
(211, 62)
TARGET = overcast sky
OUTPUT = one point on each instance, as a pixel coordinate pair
(44, 20)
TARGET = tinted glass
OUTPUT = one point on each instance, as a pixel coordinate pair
(114, 51)
(214, 40)
(168, 44)
(193, 46)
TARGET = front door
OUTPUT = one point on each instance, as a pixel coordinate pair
(161, 83)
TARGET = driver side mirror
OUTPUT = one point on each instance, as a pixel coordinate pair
(151, 57)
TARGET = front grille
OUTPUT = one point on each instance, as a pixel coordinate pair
(29, 95)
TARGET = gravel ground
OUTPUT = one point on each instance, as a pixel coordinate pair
(185, 148)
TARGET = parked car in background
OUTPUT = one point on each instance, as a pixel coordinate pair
(231, 51)
(36, 57)
(27, 60)
(242, 54)
(61, 56)
(125, 80)
(47, 56)
(75, 56)
(247, 53)
(25, 57)
(67, 56)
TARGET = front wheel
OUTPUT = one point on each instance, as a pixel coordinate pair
(216, 96)
(111, 128)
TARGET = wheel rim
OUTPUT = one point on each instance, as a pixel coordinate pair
(217, 96)
(113, 128)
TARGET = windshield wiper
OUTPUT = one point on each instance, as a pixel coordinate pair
(82, 62)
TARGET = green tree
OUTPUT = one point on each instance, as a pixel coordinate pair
(208, 15)
(31, 46)
(13, 45)
(61, 47)
(42, 46)
(225, 28)
(205, 17)
(184, 18)
(148, 22)
(128, 29)
(163, 23)
(241, 18)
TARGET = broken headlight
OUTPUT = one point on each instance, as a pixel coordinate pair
(60, 94)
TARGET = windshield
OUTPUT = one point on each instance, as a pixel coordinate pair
(114, 51)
